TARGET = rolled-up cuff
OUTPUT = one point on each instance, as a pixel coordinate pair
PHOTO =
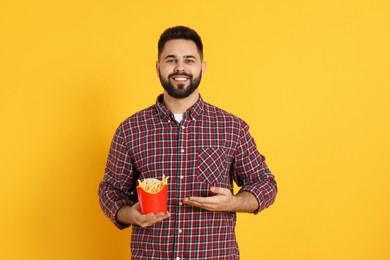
(114, 211)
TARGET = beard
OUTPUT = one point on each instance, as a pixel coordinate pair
(181, 90)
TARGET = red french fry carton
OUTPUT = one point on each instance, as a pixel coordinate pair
(153, 202)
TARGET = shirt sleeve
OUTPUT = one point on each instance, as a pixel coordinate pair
(116, 188)
(251, 173)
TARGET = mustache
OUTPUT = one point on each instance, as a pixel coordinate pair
(180, 74)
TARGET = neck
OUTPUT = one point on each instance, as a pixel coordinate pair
(180, 105)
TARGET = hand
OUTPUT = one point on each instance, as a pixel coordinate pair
(133, 216)
(223, 200)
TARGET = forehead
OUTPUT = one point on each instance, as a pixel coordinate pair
(180, 48)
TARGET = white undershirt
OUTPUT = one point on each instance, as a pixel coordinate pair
(178, 117)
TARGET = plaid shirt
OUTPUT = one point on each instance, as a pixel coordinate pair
(210, 147)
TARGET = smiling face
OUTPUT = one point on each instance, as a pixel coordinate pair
(180, 68)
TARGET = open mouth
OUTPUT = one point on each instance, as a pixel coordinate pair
(180, 78)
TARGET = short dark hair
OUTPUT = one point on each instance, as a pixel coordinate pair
(180, 32)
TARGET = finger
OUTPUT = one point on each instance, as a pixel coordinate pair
(161, 216)
(199, 200)
(202, 202)
(137, 206)
(206, 206)
(155, 217)
(152, 218)
(220, 190)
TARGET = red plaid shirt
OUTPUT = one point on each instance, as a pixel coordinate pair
(210, 147)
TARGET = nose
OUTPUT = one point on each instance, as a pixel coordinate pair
(179, 67)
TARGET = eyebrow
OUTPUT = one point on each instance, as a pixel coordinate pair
(185, 56)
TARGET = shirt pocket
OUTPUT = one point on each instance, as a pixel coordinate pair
(211, 167)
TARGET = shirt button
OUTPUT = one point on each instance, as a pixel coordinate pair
(181, 177)
(180, 231)
(180, 203)
(182, 150)
(169, 121)
(182, 127)
(177, 258)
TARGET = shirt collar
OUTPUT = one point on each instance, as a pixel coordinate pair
(193, 112)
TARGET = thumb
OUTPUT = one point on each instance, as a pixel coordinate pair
(219, 190)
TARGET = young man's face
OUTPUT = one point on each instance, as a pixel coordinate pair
(180, 68)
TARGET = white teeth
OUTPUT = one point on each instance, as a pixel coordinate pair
(180, 79)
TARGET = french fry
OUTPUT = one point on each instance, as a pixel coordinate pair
(152, 185)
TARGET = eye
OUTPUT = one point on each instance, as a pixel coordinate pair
(170, 61)
(190, 61)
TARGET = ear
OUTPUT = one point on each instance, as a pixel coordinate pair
(157, 67)
(204, 65)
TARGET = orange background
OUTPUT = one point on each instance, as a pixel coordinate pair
(310, 77)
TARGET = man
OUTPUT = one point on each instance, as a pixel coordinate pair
(201, 148)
